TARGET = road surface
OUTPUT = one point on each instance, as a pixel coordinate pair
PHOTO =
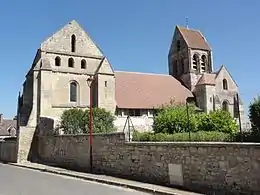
(19, 181)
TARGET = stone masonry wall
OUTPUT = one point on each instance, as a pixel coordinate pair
(8, 151)
(232, 167)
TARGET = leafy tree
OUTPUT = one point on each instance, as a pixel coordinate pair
(103, 121)
(254, 114)
(76, 121)
(218, 120)
(73, 121)
(173, 119)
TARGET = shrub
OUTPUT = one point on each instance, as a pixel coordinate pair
(254, 114)
(218, 120)
(247, 137)
(76, 121)
(199, 136)
(174, 119)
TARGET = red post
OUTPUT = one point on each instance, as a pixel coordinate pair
(90, 81)
(90, 115)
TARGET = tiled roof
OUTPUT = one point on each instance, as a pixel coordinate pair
(143, 90)
(207, 79)
(194, 38)
(4, 126)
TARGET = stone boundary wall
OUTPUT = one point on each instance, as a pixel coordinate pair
(8, 151)
(227, 167)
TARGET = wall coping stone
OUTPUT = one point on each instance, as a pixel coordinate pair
(80, 135)
(197, 144)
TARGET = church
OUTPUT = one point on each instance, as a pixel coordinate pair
(58, 80)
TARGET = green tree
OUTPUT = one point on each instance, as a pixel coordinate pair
(218, 120)
(76, 121)
(254, 114)
(173, 119)
(103, 121)
(73, 121)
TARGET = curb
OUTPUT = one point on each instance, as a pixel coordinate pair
(98, 180)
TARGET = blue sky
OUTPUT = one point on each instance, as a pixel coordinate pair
(135, 35)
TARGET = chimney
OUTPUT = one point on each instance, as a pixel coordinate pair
(1, 118)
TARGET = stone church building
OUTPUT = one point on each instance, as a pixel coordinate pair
(57, 80)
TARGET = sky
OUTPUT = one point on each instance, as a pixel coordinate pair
(135, 36)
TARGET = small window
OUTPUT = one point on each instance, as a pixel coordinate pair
(134, 112)
(71, 63)
(73, 43)
(83, 64)
(57, 61)
(105, 83)
(119, 112)
(203, 63)
(225, 84)
(225, 106)
(195, 62)
(178, 45)
(182, 68)
(73, 91)
(175, 67)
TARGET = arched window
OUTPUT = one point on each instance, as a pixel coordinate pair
(225, 105)
(178, 45)
(236, 107)
(183, 65)
(73, 43)
(73, 91)
(203, 63)
(57, 61)
(83, 64)
(71, 63)
(225, 84)
(195, 62)
(175, 67)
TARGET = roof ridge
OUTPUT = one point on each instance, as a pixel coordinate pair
(158, 74)
(191, 29)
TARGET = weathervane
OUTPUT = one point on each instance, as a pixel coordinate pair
(187, 22)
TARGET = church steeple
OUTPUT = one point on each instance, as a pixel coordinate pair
(189, 55)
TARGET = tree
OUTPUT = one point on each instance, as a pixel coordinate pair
(76, 121)
(218, 120)
(73, 121)
(254, 114)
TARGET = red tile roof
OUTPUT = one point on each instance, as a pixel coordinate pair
(207, 79)
(144, 90)
(194, 38)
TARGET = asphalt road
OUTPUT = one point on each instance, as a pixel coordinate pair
(19, 181)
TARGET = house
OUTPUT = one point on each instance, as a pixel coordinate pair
(7, 127)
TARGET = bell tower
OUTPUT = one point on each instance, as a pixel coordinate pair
(189, 57)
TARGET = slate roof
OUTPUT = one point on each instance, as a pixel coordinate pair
(4, 126)
(194, 38)
(148, 91)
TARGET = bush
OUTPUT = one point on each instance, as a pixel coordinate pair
(254, 115)
(76, 121)
(174, 120)
(218, 120)
(199, 136)
(247, 137)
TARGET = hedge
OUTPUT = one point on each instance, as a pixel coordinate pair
(200, 136)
